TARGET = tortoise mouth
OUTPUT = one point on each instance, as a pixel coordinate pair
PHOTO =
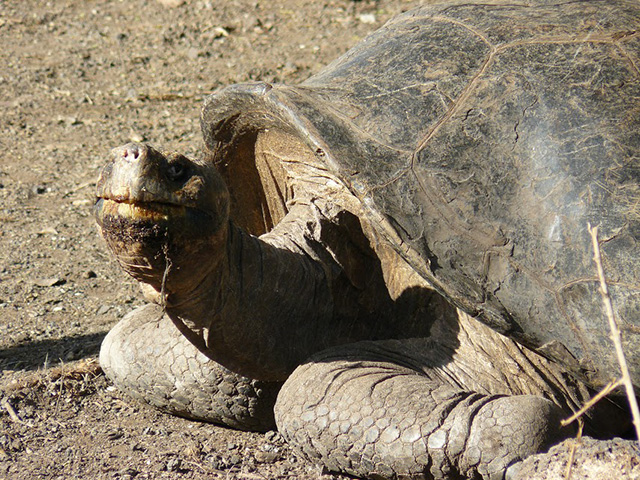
(137, 211)
(144, 222)
(142, 235)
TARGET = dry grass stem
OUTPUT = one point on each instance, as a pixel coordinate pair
(615, 332)
(74, 371)
(612, 385)
(165, 275)
(572, 452)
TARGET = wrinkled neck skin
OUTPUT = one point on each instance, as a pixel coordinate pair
(268, 304)
(247, 313)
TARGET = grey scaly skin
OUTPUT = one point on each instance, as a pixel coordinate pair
(384, 409)
(154, 363)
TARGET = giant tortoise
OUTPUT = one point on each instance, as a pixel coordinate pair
(401, 239)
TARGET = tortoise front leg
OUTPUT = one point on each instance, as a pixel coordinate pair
(147, 357)
(370, 410)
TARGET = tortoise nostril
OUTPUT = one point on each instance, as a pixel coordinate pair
(131, 152)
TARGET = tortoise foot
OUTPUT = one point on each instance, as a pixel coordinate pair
(147, 357)
(509, 429)
(374, 418)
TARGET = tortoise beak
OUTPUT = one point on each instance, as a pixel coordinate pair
(138, 174)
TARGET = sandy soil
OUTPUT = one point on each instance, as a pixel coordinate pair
(77, 78)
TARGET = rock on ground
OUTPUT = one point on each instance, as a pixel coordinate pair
(593, 460)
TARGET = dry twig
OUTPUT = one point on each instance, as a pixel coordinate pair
(615, 332)
(572, 452)
(12, 413)
(612, 385)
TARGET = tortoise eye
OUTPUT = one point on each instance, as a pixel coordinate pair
(176, 171)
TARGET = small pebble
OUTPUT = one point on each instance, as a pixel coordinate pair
(273, 436)
(48, 282)
(266, 457)
(136, 137)
(174, 464)
(171, 3)
(115, 435)
(367, 18)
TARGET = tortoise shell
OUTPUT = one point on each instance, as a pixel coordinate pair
(482, 140)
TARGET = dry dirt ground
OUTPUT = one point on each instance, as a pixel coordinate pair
(77, 78)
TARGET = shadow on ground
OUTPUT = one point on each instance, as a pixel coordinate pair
(45, 353)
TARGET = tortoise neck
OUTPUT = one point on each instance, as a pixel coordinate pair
(261, 311)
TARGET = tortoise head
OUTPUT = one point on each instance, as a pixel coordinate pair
(162, 213)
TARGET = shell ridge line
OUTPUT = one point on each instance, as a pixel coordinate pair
(394, 178)
(449, 113)
(465, 92)
(395, 90)
(629, 58)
